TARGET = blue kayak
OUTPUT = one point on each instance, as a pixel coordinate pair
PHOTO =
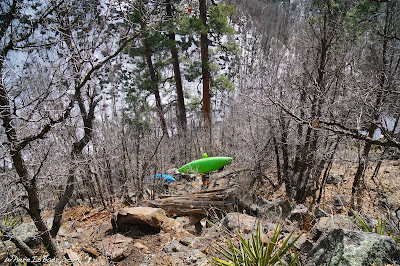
(166, 178)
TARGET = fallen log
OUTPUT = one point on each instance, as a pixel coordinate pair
(199, 204)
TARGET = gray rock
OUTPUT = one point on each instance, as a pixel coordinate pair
(25, 230)
(327, 224)
(242, 222)
(173, 246)
(300, 213)
(334, 179)
(28, 233)
(192, 257)
(147, 217)
(189, 241)
(344, 247)
(340, 201)
(267, 226)
(115, 247)
(303, 244)
(320, 213)
(391, 201)
(278, 208)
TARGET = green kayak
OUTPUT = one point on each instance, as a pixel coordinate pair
(205, 165)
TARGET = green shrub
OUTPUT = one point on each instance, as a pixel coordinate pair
(254, 252)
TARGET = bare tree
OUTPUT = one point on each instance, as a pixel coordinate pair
(86, 106)
(16, 100)
(33, 105)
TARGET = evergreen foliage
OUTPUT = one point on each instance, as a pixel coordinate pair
(187, 26)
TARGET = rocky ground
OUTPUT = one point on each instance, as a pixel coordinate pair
(88, 236)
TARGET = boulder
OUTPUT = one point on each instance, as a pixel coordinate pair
(302, 216)
(144, 217)
(340, 201)
(344, 247)
(242, 222)
(28, 233)
(171, 224)
(303, 243)
(173, 246)
(192, 257)
(391, 201)
(320, 213)
(334, 178)
(326, 224)
(115, 247)
(278, 208)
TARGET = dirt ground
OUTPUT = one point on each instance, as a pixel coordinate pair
(386, 183)
(95, 224)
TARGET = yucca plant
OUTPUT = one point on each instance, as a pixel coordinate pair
(362, 224)
(253, 251)
(380, 228)
(9, 222)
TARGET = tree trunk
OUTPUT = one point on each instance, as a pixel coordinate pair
(301, 179)
(181, 109)
(362, 164)
(154, 88)
(99, 189)
(356, 190)
(109, 177)
(63, 201)
(29, 184)
(278, 163)
(285, 157)
(205, 69)
(77, 147)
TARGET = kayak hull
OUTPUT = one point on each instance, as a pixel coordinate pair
(205, 165)
(166, 178)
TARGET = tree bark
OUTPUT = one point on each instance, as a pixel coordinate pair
(278, 163)
(205, 69)
(181, 109)
(154, 86)
(285, 157)
(88, 118)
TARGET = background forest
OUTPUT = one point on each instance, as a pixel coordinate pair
(97, 95)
